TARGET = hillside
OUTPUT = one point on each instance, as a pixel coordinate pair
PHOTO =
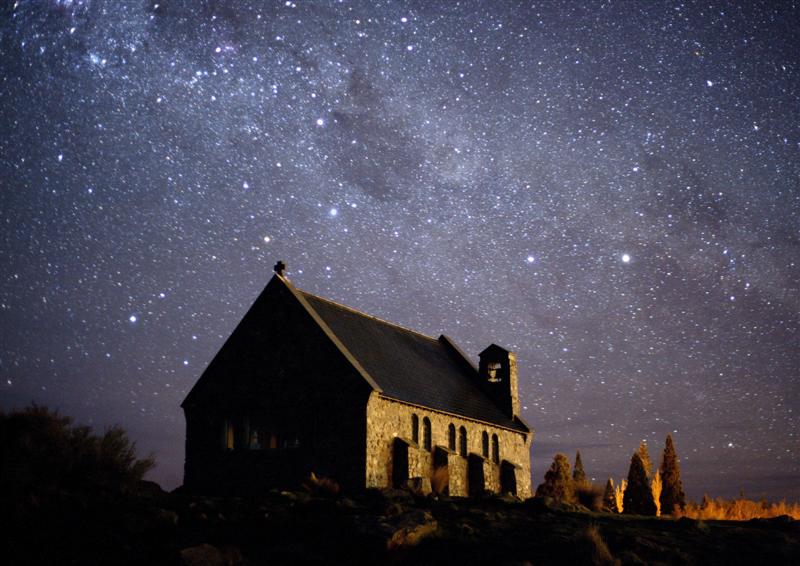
(150, 526)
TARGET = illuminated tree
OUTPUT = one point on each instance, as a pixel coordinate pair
(557, 481)
(672, 495)
(655, 489)
(638, 498)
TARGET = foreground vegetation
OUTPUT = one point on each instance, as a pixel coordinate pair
(740, 509)
(71, 497)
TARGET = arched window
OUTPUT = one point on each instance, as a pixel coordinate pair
(415, 428)
(462, 441)
(451, 437)
(426, 433)
(495, 449)
(485, 444)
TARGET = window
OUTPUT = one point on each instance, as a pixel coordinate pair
(255, 440)
(415, 428)
(451, 437)
(462, 441)
(229, 438)
(493, 369)
(495, 449)
(485, 444)
(426, 433)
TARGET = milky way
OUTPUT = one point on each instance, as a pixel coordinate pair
(611, 190)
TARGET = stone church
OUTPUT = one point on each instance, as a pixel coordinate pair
(305, 385)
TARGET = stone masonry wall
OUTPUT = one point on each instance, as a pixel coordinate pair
(387, 419)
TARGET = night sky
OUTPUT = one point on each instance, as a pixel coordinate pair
(611, 190)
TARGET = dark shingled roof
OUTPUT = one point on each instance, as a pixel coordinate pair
(409, 366)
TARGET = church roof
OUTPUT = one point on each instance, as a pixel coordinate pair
(409, 366)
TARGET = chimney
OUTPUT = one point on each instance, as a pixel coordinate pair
(498, 373)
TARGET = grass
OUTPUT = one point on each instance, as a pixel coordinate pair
(740, 509)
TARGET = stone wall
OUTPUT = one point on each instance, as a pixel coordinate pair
(388, 419)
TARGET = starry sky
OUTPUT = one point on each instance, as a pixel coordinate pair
(611, 190)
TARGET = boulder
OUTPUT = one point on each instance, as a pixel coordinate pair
(410, 529)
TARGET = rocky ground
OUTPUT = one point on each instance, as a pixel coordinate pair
(154, 527)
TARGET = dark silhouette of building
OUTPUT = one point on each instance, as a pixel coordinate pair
(305, 384)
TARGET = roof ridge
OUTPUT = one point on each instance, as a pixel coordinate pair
(373, 317)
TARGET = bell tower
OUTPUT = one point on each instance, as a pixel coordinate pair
(498, 374)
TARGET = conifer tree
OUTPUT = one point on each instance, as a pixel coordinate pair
(638, 499)
(557, 481)
(672, 495)
(645, 456)
(578, 475)
(609, 497)
(619, 494)
(655, 489)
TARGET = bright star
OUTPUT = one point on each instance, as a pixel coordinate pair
(132, 318)
(320, 122)
(626, 258)
(333, 212)
(530, 259)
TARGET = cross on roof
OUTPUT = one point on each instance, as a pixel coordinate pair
(279, 268)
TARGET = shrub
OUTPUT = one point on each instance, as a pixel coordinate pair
(590, 496)
(740, 509)
(40, 450)
(321, 486)
(440, 480)
(593, 548)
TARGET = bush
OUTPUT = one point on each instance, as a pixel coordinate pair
(737, 509)
(321, 486)
(593, 549)
(40, 450)
(440, 480)
(590, 496)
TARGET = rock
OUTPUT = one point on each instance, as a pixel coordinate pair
(208, 555)
(202, 555)
(410, 529)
